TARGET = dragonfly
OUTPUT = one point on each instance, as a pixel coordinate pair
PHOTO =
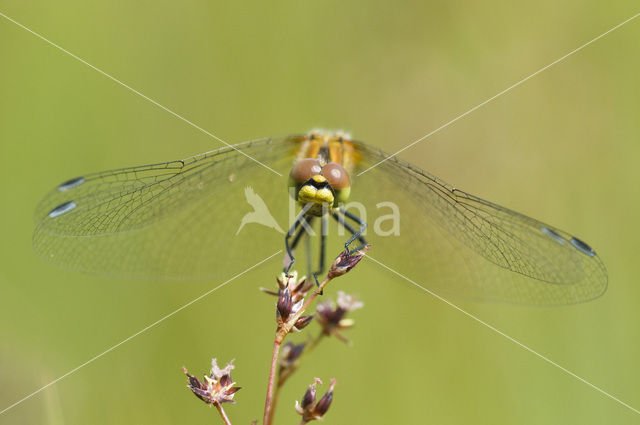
(192, 219)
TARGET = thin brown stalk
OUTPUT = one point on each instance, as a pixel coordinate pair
(280, 335)
(282, 378)
(268, 404)
(225, 418)
(274, 402)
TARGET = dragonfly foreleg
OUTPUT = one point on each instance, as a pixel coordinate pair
(324, 224)
(355, 234)
(302, 221)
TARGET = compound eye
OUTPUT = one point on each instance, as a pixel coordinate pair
(305, 169)
(337, 176)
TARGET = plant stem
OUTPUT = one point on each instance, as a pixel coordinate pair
(282, 378)
(268, 404)
(274, 402)
(225, 418)
(280, 335)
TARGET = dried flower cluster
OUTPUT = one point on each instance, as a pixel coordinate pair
(290, 354)
(217, 388)
(294, 297)
(332, 316)
(308, 408)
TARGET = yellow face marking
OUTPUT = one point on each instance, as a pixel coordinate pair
(319, 178)
(324, 195)
(309, 194)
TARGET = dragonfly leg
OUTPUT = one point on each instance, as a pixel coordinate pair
(355, 234)
(300, 220)
(290, 233)
(301, 232)
(307, 249)
(324, 224)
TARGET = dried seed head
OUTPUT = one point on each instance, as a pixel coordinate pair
(345, 262)
(328, 314)
(218, 387)
(325, 402)
(290, 354)
(284, 304)
(309, 397)
(302, 322)
(298, 288)
(331, 316)
(307, 409)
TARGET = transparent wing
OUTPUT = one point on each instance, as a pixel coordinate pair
(454, 241)
(198, 217)
(173, 220)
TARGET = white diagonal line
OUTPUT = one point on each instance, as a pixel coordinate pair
(114, 79)
(135, 334)
(480, 105)
(499, 332)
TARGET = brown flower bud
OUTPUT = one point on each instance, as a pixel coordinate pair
(323, 405)
(325, 402)
(306, 408)
(290, 354)
(309, 397)
(345, 262)
(302, 322)
(284, 304)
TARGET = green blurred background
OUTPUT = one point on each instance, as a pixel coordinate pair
(563, 147)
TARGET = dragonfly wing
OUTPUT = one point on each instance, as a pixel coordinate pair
(174, 220)
(468, 237)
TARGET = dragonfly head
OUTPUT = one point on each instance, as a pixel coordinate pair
(320, 185)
